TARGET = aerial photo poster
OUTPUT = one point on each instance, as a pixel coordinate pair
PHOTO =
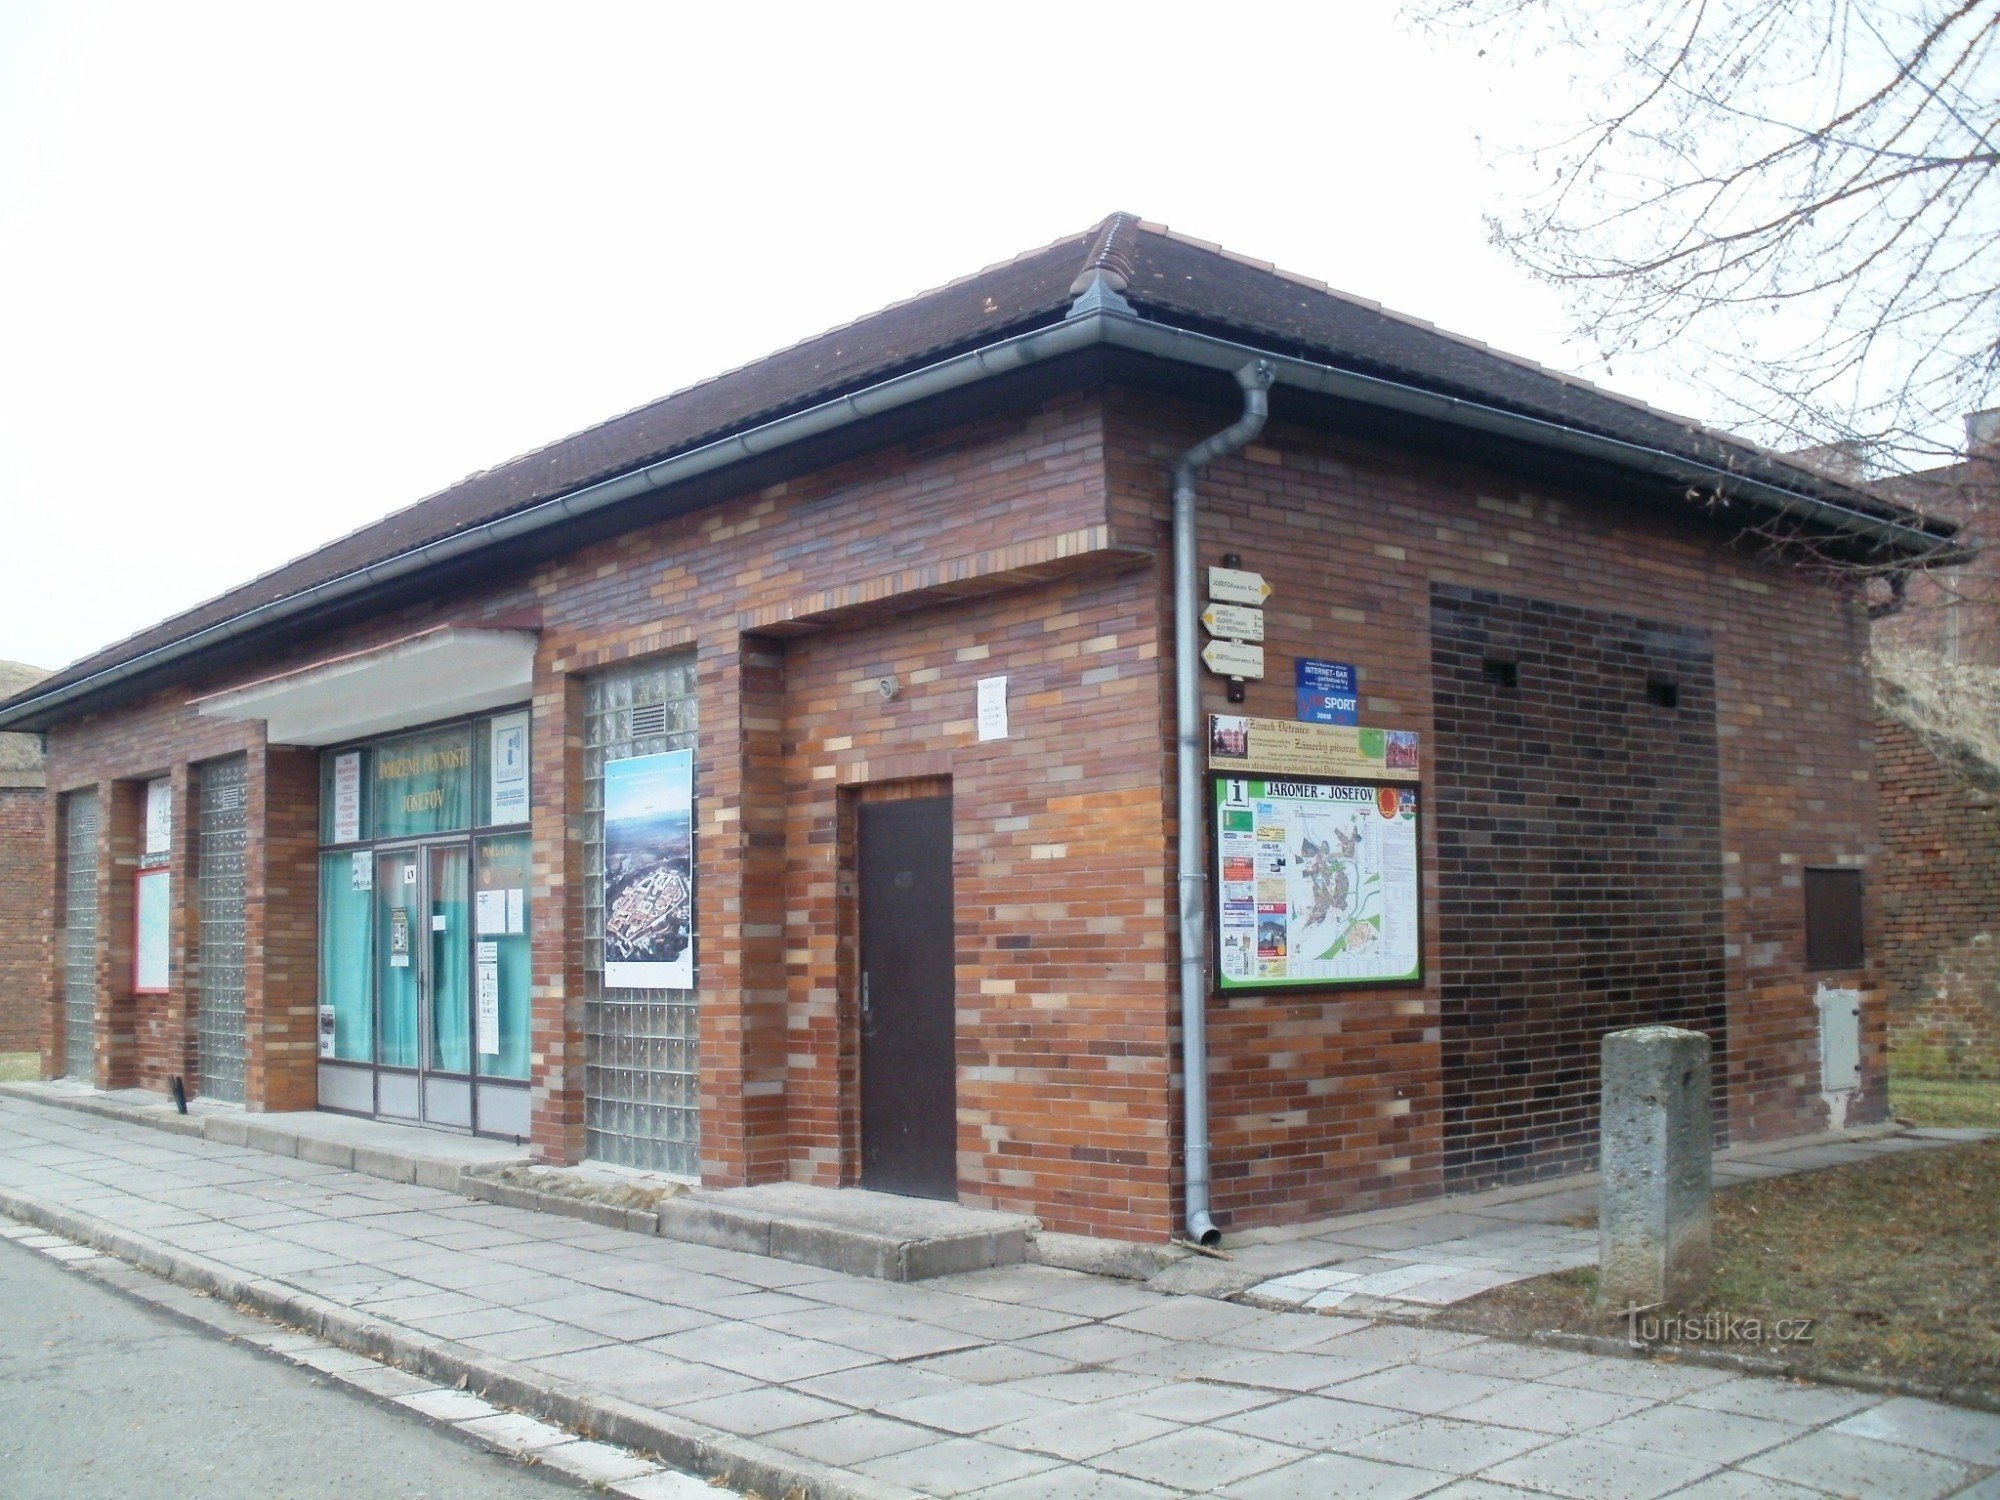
(1316, 883)
(649, 872)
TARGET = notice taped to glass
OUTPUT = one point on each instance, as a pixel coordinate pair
(1316, 883)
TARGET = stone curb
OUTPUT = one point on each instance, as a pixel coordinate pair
(702, 1451)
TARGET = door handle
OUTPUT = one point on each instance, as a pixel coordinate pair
(867, 1007)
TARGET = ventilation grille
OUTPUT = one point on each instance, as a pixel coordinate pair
(648, 719)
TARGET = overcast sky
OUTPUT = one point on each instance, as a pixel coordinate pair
(268, 272)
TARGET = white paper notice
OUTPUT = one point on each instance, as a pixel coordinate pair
(159, 818)
(490, 912)
(347, 798)
(993, 708)
(517, 912)
(509, 761)
(362, 872)
(489, 998)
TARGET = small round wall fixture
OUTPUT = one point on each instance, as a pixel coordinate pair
(889, 687)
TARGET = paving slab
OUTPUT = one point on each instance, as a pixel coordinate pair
(1007, 1382)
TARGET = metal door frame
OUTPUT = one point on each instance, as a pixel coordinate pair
(947, 1186)
(420, 943)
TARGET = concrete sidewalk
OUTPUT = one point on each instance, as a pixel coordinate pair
(1021, 1381)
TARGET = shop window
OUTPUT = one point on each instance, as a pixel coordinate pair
(423, 783)
(1833, 919)
(347, 952)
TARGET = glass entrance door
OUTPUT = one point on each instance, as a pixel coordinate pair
(422, 984)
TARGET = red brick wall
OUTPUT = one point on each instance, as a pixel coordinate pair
(1031, 545)
(1938, 885)
(1332, 1102)
(24, 915)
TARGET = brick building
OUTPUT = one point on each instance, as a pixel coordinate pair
(785, 780)
(24, 912)
(1937, 664)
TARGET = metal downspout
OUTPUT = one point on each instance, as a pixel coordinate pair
(1255, 378)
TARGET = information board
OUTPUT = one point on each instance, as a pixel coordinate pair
(1316, 883)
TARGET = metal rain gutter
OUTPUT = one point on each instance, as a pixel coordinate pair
(918, 385)
(1255, 378)
(1104, 324)
(1167, 342)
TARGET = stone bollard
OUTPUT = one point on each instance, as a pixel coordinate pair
(1653, 1214)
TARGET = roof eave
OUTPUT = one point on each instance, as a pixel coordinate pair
(1908, 540)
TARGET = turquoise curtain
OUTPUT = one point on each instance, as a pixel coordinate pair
(397, 891)
(345, 956)
(423, 784)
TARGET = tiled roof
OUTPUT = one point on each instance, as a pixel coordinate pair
(1167, 276)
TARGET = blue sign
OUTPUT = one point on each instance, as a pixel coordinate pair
(1327, 694)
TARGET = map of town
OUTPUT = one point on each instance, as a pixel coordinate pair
(1318, 882)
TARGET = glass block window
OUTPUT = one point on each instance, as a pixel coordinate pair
(219, 874)
(80, 935)
(641, 1064)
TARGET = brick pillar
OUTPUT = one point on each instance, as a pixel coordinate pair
(281, 931)
(177, 1041)
(555, 769)
(55, 862)
(121, 834)
(740, 946)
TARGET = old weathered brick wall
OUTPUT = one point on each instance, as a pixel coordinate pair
(24, 915)
(1938, 883)
(1334, 1101)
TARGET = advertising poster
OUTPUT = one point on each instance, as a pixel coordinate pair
(1316, 884)
(649, 872)
(1327, 692)
(1247, 747)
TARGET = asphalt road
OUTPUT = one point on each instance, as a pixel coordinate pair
(103, 1396)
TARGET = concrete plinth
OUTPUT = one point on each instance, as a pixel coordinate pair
(1654, 1210)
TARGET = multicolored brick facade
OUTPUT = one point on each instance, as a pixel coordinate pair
(24, 916)
(1031, 543)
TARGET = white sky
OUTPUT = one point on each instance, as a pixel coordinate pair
(268, 272)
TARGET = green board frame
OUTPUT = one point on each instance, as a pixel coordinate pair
(1299, 863)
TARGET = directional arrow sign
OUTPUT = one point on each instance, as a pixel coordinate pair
(1235, 586)
(1232, 622)
(1232, 659)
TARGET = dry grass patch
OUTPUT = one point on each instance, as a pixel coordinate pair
(1895, 1261)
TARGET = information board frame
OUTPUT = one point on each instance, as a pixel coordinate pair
(1227, 882)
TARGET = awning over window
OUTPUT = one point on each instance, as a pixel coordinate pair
(435, 675)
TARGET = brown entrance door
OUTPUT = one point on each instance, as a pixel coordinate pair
(909, 1071)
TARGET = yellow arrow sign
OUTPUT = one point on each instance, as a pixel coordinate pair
(1232, 622)
(1237, 586)
(1233, 659)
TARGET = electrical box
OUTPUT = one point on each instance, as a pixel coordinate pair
(1839, 1039)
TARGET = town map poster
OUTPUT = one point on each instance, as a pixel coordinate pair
(1316, 883)
(649, 872)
